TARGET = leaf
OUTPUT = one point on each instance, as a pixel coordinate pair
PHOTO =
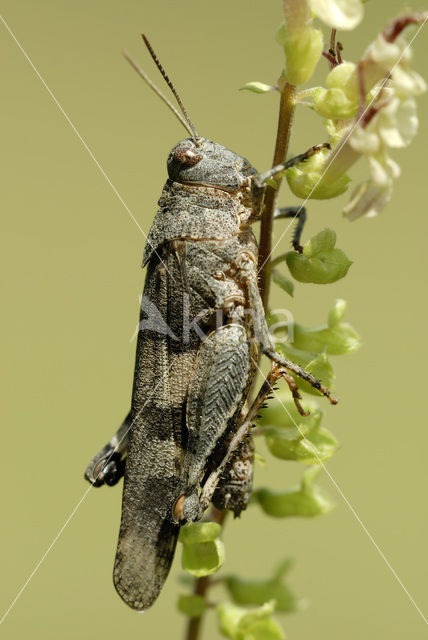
(318, 445)
(199, 532)
(191, 605)
(337, 313)
(323, 241)
(203, 551)
(306, 501)
(258, 87)
(240, 624)
(281, 412)
(334, 338)
(320, 262)
(256, 592)
(285, 283)
(321, 369)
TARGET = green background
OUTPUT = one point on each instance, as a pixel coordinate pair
(71, 268)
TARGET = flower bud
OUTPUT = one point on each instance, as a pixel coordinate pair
(333, 103)
(303, 47)
(258, 87)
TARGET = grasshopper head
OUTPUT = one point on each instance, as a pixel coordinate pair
(208, 164)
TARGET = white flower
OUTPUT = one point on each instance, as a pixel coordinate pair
(367, 200)
(397, 122)
(338, 14)
(406, 80)
(371, 196)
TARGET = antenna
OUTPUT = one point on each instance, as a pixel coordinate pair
(186, 121)
(152, 85)
(170, 85)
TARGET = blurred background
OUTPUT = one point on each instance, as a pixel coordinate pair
(71, 269)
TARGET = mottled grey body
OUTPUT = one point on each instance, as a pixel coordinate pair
(188, 389)
(202, 323)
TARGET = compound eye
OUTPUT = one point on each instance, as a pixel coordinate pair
(187, 156)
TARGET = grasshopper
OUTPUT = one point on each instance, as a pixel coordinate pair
(202, 327)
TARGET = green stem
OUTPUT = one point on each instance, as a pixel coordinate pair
(285, 120)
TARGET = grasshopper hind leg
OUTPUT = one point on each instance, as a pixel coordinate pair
(216, 395)
(108, 465)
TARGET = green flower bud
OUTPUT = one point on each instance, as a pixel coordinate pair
(303, 47)
(320, 262)
(333, 103)
(306, 179)
(344, 77)
(258, 87)
(203, 551)
(240, 624)
(191, 605)
(307, 501)
(341, 98)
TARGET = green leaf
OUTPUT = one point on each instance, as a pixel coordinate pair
(203, 558)
(258, 87)
(323, 241)
(321, 369)
(199, 532)
(306, 501)
(240, 624)
(256, 592)
(334, 338)
(320, 262)
(283, 282)
(203, 551)
(337, 313)
(282, 412)
(313, 447)
(191, 605)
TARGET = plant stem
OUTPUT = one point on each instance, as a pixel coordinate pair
(202, 584)
(285, 119)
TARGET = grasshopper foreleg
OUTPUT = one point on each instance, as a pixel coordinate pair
(261, 180)
(248, 275)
